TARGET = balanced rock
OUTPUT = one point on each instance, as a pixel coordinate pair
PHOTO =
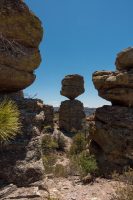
(111, 134)
(72, 86)
(20, 35)
(116, 87)
(71, 115)
(124, 60)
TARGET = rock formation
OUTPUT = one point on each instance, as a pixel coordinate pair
(72, 86)
(20, 35)
(71, 113)
(111, 130)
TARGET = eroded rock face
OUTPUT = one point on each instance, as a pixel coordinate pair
(111, 132)
(20, 35)
(20, 160)
(124, 59)
(71, 115)
(72, 86)
(116, 87)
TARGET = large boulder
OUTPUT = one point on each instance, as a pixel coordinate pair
(111, 134)
(72, 86)
(116, 87)
(71, 115)
(124, 60)
(20, 35)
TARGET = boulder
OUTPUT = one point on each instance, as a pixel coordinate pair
(71, 115)
(116, 87)
(72, 86)
(20, 35)
(111, 136)
(124, 60)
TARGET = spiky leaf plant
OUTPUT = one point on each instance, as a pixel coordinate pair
(9, 120)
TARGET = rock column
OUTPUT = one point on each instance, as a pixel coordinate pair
(111, 130)
(71, 113)
(20, 35)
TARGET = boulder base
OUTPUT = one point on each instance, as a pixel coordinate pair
(71, 115)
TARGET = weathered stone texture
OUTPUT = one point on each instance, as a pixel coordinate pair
(20, 35)
(124, 60)
(72, 86)
(71, 115)
(112, 132)
(116, 87)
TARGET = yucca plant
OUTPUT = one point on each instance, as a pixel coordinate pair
(9, 120)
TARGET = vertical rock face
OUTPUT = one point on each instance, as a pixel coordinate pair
(20, 35)
(71, 113)
(111, 128)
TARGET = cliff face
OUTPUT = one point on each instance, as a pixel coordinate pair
(112, 127)
(20, 35)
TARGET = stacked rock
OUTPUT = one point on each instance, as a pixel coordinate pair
(71, 113)
(20, 35)
(111, 131)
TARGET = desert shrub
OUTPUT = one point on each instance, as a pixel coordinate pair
(79, 144)
(124, 188)
(60, 171)
(49, 161)
(61, 142)
(9, 120)
(49, 144)
(84, 164)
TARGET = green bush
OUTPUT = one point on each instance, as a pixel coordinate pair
(49, 144)
(84, 164)
(79, 144)
(9, 120)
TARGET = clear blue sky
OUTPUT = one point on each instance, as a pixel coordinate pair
(81, 36)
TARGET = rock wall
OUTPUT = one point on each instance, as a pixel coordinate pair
(111, 129)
